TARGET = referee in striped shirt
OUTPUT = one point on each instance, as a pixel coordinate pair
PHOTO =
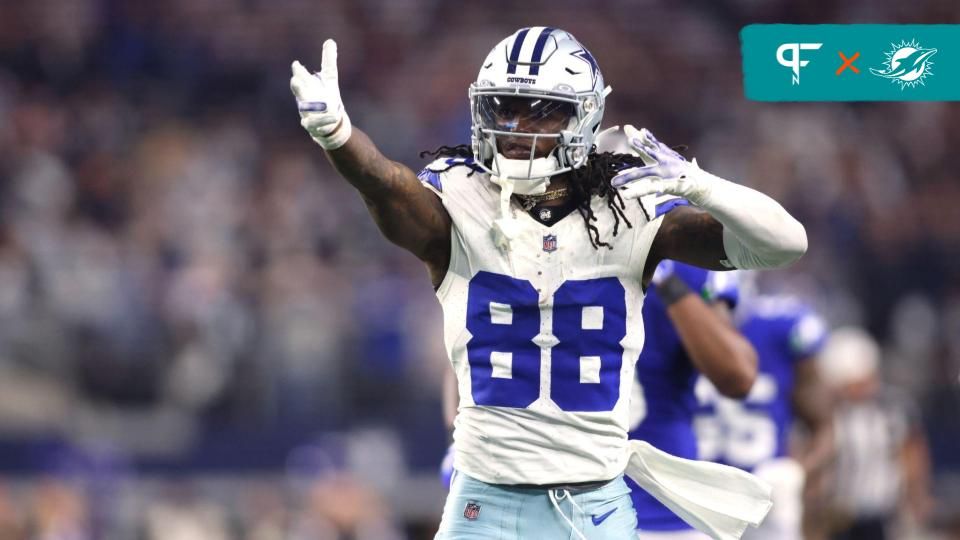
(882, 464)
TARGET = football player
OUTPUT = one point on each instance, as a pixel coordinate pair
(540, 249)
(753, 433)
(687, 322)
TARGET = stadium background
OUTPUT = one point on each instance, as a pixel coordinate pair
(202, 334)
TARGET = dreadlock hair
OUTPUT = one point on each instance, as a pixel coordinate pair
(591, 179)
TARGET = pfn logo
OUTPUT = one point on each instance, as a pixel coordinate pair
(794, 62)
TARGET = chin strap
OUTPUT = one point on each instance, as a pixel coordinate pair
(505, 228)
(532, 192)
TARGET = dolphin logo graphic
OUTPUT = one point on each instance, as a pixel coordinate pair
(908, 64)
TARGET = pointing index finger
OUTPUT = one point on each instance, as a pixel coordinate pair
(328, 63)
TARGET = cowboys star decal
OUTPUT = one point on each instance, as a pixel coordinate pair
(585, 55)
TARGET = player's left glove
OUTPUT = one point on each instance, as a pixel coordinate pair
(757, 231)
(318, 100)
(670, 173)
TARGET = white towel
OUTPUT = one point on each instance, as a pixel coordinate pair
(715, 499)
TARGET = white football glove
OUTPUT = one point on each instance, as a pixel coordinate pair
(757, 231)
(671, 173)
(318, 100)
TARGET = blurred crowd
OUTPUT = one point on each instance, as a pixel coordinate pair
(187, 287)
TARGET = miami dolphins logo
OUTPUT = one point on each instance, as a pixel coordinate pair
(907, 64)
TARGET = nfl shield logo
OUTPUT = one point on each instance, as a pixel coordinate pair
(471, 511)
(550, 243)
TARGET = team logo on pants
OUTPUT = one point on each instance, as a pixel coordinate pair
(471, 511)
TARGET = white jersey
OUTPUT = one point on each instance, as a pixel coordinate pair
(543, 338)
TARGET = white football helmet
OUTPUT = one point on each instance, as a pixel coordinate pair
(538, 84)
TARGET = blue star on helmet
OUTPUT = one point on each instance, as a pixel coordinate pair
(585, 55)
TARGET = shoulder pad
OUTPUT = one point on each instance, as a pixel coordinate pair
(722, 286)
(444, 164)
(667, 205)
(432, 172)
(431, 178)
(660, 204)
(807, 335)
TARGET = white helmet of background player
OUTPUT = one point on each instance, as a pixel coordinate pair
(545, 79)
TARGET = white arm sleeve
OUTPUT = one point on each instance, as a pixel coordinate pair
(757, 232)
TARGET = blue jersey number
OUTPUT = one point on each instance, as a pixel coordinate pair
(589, 321)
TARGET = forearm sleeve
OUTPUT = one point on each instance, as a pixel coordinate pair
(757, 231)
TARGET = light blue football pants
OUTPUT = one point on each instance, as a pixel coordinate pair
(476, 510)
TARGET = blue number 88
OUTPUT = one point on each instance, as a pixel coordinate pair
(589, 321)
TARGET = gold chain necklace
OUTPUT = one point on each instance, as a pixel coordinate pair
(529, 201)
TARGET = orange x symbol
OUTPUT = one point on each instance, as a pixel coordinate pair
(848, 62)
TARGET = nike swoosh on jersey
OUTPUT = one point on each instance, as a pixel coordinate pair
(598, 520)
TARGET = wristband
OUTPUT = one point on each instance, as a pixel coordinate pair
(671, 290)
(338, 136)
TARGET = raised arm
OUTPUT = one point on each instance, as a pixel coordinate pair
(731, 226)
(716, 348)
(407, 214)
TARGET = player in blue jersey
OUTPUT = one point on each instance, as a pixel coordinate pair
(753, 434)
(687, 321)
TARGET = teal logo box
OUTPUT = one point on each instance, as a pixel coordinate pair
(851, 62)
